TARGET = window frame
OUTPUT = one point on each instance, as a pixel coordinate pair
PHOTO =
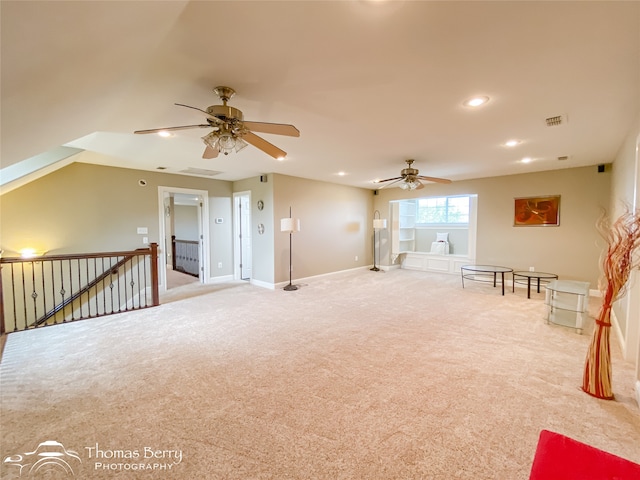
(444, 224)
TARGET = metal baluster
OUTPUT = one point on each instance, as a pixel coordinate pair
(15, 311)
(119, 298)
(53, 291)
(139, 283)
(146, 279)
(44, 291)
(34, 294)
(24, 294)
(73, 312)
(62, 292)
(104, 295)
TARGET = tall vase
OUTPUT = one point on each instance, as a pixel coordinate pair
(596, 380)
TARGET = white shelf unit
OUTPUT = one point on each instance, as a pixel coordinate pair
(405, 212)
(567, 303)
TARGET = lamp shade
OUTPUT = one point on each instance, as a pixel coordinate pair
(379, 223)
(290, 225)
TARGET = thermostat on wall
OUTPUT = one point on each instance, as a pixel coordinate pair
(218, 220)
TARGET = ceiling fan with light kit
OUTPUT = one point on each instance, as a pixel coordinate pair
(230, 132)
(410, 178)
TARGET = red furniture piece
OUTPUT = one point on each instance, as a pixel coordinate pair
(562, 458)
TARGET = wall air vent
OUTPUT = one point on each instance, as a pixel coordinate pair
(200, 171)
(556, 121)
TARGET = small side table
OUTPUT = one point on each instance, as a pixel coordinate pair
(567, 302)
(539, 276)
(477, 272)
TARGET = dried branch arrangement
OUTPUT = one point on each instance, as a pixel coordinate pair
(623, 238)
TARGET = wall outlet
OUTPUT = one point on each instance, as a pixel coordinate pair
(219, 264)
(531, 269)
(356, 258)
(145, 240)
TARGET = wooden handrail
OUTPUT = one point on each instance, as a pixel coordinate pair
(75, 256)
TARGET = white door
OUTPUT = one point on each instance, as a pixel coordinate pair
(242, 234)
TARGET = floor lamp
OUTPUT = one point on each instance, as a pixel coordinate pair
(378, 224)
(290, 225)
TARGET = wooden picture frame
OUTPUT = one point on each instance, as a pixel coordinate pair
(542, 211)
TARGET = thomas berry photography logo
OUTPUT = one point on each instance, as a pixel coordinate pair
(49, 458)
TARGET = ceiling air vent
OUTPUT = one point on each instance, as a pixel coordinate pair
(200, 171)
(556, 121)
(563, 157)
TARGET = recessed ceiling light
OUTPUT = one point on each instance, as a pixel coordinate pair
(280, 159)
(342, 174)
(164, 133)
(526, 160)
(476, 101)
(512, 143)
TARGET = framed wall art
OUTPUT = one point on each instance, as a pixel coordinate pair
(541, 211)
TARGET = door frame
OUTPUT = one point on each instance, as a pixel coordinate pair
(203, 228)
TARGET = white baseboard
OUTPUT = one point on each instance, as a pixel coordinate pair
(260, 283)
(220, 279)
(298, 281)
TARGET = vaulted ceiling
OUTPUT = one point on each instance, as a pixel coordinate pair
(368, 83)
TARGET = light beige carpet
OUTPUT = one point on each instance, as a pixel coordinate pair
(362, 375)
(179, 279)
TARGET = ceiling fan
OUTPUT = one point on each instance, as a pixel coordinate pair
(410, 178)
(230, 132)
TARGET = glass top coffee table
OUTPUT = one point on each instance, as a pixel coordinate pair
(538, 276)
(484, 273)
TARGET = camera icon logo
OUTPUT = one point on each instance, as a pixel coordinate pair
(49, 457)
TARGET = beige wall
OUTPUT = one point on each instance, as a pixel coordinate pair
(185, 222)
(85, 208)
(571, 250)
(335, 227)
(262, 245)
(625, 184)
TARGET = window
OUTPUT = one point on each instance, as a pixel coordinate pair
(443, 210)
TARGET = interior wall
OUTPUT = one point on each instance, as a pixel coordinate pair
(221, 234)
(570, 250)
(262, 266)
(186, 222)
(84, 208)
(336, 230)
(458, 239)
(624, 191)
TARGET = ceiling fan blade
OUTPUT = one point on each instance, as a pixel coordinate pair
(168, 129)
(399, 179)
(210, 152)
(263, 145)
(434, 179)
(195, 108)
(274, 128)
(388, 179)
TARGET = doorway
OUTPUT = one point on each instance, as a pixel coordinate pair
(242, 236)
(184, 239)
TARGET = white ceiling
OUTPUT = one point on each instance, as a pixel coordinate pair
(368, 83)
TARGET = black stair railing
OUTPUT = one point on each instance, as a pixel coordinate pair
(55, 289)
